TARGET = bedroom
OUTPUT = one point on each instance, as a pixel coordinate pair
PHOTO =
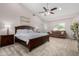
(15, 16)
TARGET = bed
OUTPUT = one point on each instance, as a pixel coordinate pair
(30, 39)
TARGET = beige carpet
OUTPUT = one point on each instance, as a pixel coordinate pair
(55, 47)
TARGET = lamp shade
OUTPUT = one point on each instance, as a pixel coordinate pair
(7, 26)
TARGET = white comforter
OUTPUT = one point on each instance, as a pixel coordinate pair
(27, 36)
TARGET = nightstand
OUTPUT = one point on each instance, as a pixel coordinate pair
(6, 40)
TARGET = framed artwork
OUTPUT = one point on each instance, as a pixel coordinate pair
(24, 20)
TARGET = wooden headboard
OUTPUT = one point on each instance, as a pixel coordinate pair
(23, 27)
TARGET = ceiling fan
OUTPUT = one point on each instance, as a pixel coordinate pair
(48, 11)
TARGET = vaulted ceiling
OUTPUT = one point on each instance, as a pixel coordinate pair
(67, 9)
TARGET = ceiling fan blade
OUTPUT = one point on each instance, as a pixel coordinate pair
(44, 8)
(53, 8)
(51, 12)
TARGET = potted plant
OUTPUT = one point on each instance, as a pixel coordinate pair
(75, 29)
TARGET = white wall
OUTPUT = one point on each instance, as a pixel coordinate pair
(36, 22)
(10, 14)
(67, 22)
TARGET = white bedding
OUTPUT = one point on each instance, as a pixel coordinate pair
(27, 36)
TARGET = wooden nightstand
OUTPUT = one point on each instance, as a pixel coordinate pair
(6, 40)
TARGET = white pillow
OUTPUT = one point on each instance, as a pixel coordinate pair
(30, 31)
(24, 31)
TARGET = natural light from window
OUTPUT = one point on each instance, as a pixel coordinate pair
(59, 27)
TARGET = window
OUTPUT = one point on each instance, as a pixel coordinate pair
(59, 27)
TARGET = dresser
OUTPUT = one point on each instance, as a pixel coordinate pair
(58, 34)
(6, 40)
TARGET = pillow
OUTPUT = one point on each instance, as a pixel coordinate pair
(24, 31)
(20, 31)
(30, 31)
(36, 30)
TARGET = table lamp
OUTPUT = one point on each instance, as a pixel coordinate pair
(7, 26)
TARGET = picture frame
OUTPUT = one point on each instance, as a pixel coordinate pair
(24, 20)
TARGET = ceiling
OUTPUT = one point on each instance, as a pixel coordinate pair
(66, 9)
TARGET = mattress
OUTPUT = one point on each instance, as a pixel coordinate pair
(27, 36)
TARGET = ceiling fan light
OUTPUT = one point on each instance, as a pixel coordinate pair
(59, 8)
(47, 13)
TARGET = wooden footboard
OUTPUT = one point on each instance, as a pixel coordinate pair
(33, 43)
(37, 42)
